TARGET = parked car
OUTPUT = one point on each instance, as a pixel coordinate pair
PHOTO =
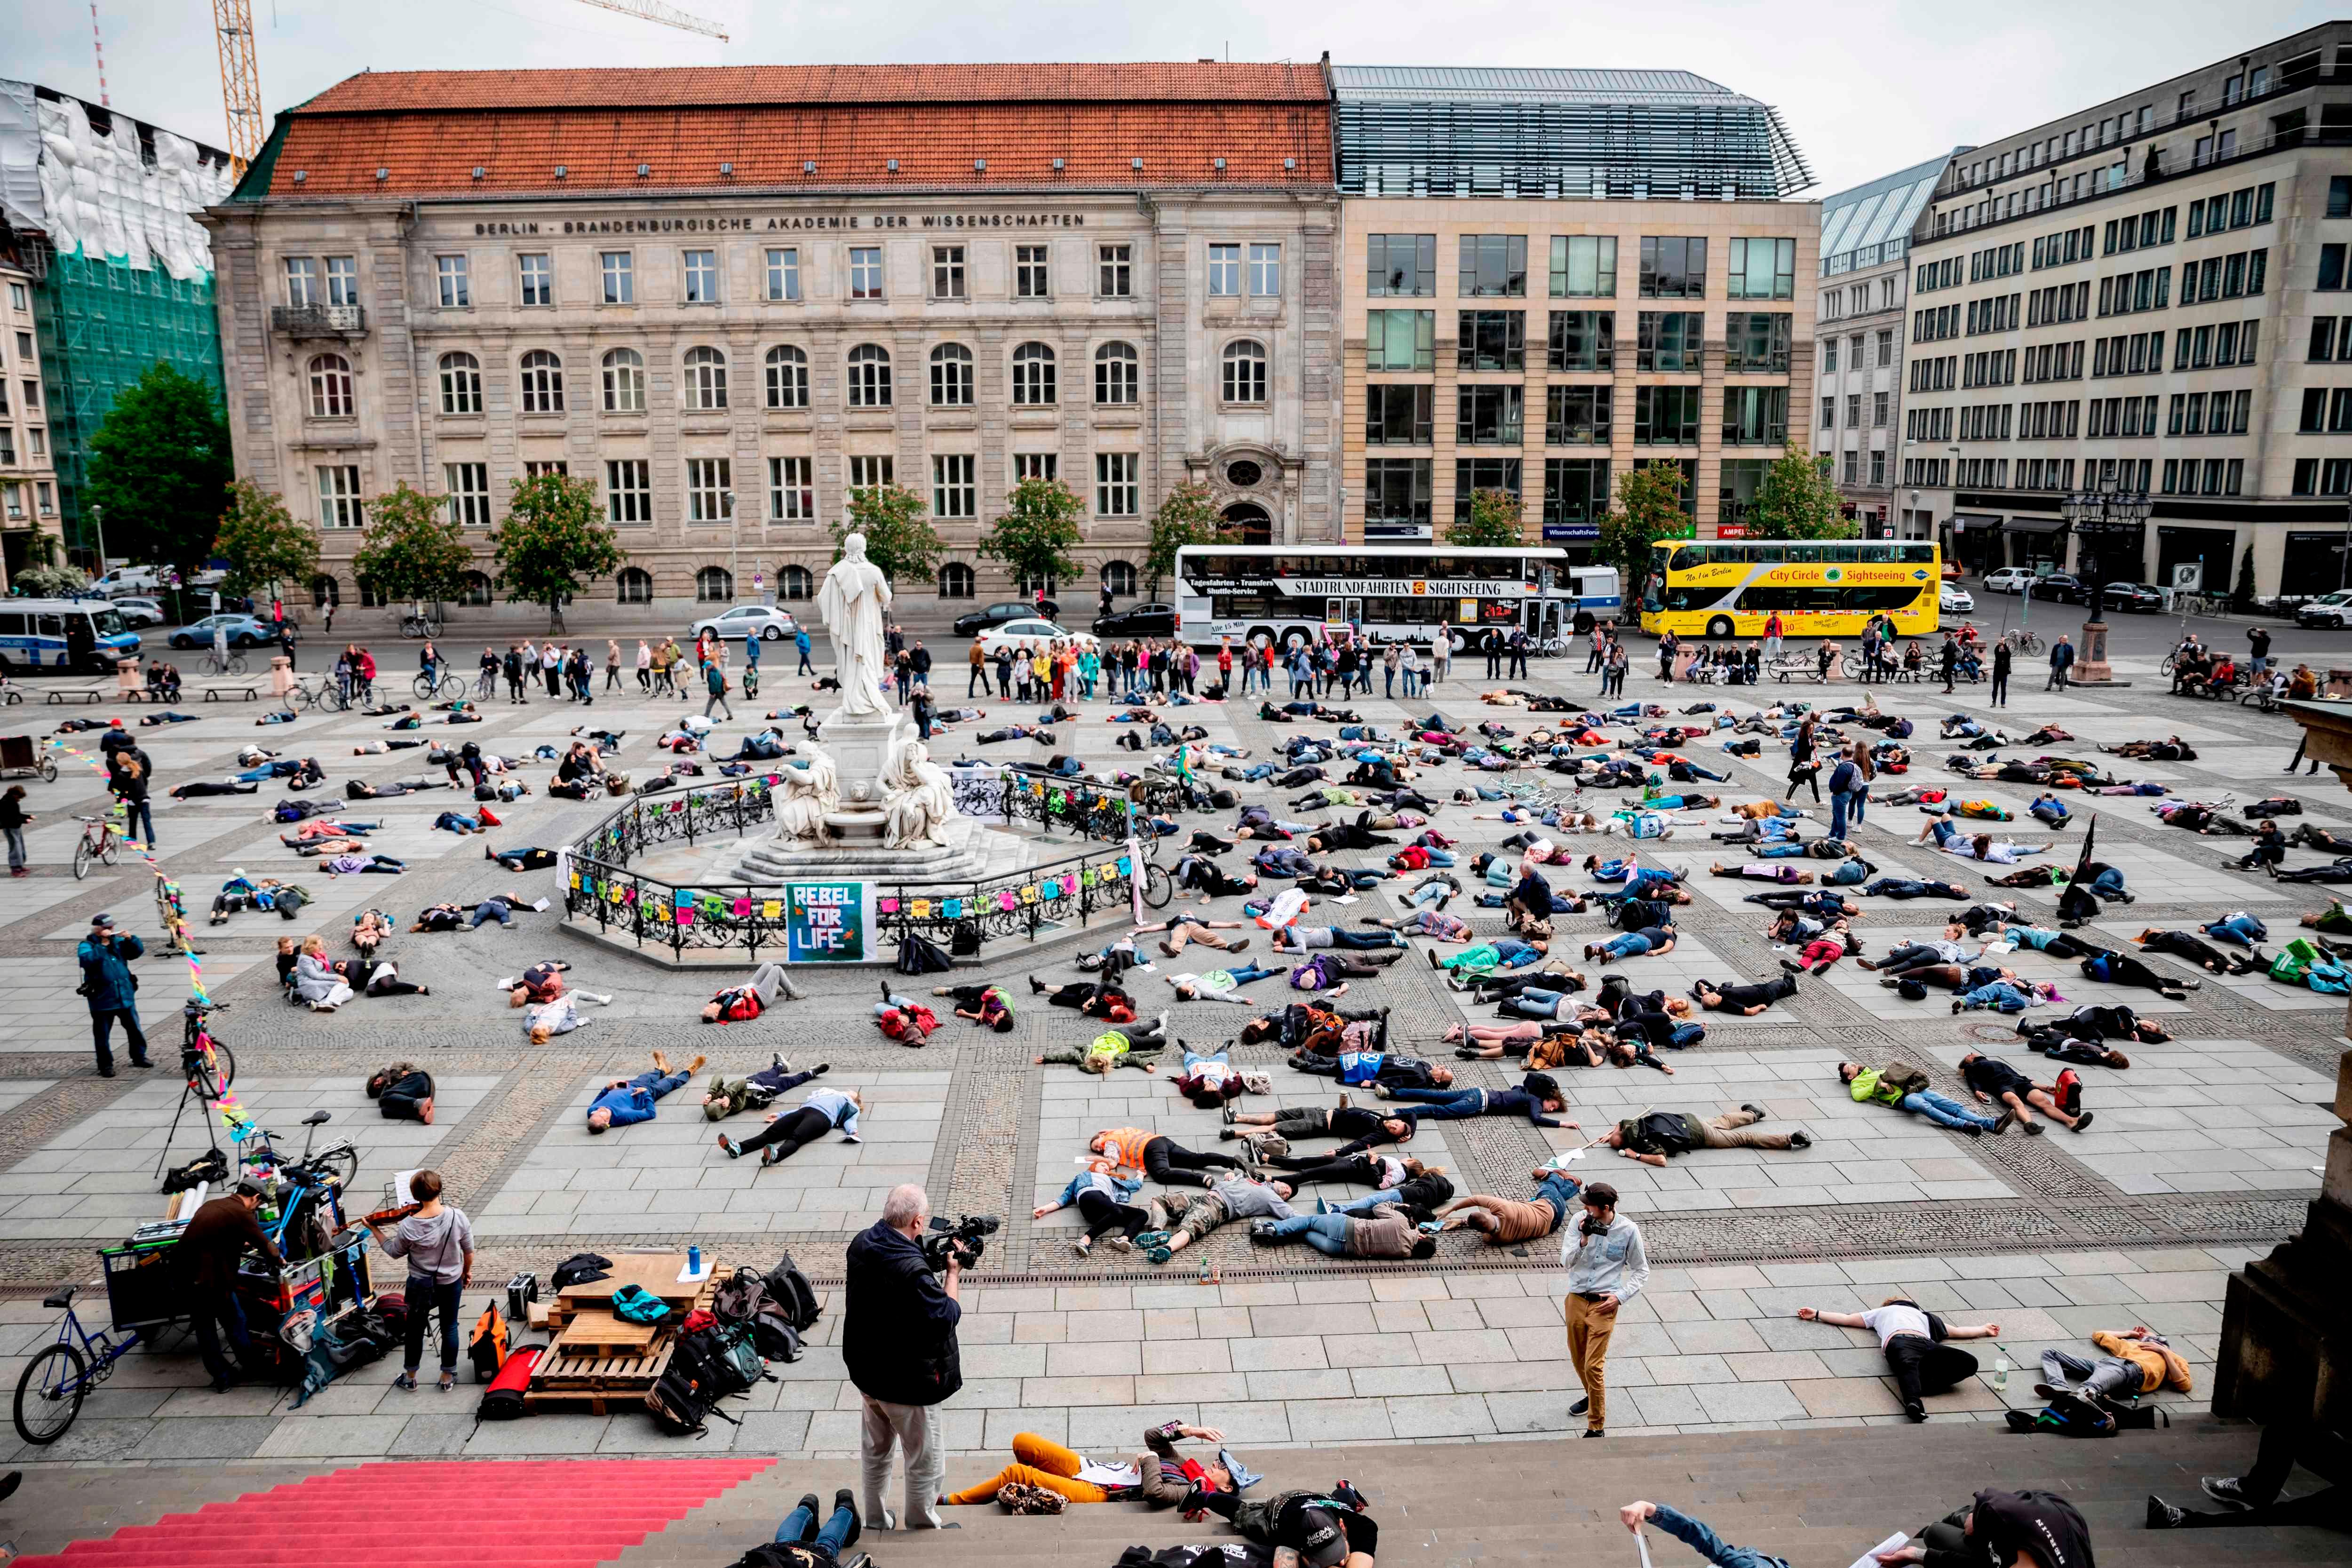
(244, 631)
(971, 623)
(2062, 586)
(2139, 598)
(764, 621)
(138, 611)
(2327, 610)
(1954, 600)
(1015, 635)
(2008, 580)
(1137, 621)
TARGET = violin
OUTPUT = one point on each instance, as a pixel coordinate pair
(394, 1214)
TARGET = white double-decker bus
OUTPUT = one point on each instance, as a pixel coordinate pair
(1401, 593)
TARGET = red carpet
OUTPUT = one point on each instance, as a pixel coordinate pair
(550, 1513)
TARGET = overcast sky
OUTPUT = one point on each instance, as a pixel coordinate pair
(1866, 85)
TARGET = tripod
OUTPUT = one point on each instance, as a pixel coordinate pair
(207, 1070)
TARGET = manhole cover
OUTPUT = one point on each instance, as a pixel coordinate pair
(1992, 1034)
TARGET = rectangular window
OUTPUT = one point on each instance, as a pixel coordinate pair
(1757, 342)
(344, 280)
(1400, 340)
(19, 300)
(1763, 270)
(338, 498)
(1492, 340)
(865, 272)
(784, 273)
(1583, 339)
(2331, 267)
(1576, 491)
(1473, 474)
(872, 473)
(1829, 356)
(1583, 266)
(1578, 415)
(2339, 196)
(709, 489)
(955, 488)
(538, 274)
(947, 272)
(302, 281)
(1489, 416)
(1399, 413)
(531, 471)
(1879, 406)
(1878, 465)
(1224, 271)
(470, 493)
(1397, 493)
(1265, 271)
(457, 287)
(1670, 340)
(1673, 267)
(792, 492)
(1886, 344)
(1032, 276)
(1492, 265)
(1400, 266)
(1829, 414)
(628, 490)
(1665, 416)
(1036, 465)
(1118, 489)
(1115, 271)
(619, 269)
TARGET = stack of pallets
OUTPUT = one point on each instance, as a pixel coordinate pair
(602, 1363)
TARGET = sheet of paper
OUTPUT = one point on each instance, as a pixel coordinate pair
(1869, 1558)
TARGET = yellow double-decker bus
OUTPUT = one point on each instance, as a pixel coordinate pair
(1726, 587)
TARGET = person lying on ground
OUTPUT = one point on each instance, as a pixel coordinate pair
(1241, 1198)
(1763, 872)
(1656, 1136)
(1823, 905)
(1161, 1157)
(1100, 1196)
(2121, 969)
(1538, 1098)
(741, 1003)
(819, 1112)
(1505, 1222)
(1211, 880)
(1386, 1231)
(1906, 1087)
(2139, 1361)
(1746, 1000)
(355, 864)
(1363, 1129)
(1220, 984)
(1996, 1082)
(1820, 952)
(990, 1006)
(1096, 999)
(1306, 1529)
(369, 930)
(2039, 1529)
(721, 1099)
(2211, 959)
(523, 858)
(360, 789)
(1695, 1534)
(1185, 928)
(2333, 873)
(1912, 1339)
(1295, 938)
(541, 982)
(626, 1100)
(1905, 888)
(1158, 1476)
(1652, 940)
(1435, 924)
(1129, 1047)
(1379, 1172)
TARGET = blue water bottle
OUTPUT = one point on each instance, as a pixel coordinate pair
(694, 1262)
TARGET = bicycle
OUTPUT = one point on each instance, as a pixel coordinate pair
(413, 624)
(100, 836)
(448, 688)
(51, 1388)
(219, 663)
(206, 1063)
(318, 692)
(2021, 641)
(308, 1192)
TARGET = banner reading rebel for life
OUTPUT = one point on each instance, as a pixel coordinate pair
(824, 922)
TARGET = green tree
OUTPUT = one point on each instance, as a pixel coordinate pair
(264, 546)
(158, 465)
(899, 537)
(2244, 598)
(1649, 508)
(414, 550)
(1493, 522)
(1186, 517)
(1797, 500)
(553, 543)
(1039, 526)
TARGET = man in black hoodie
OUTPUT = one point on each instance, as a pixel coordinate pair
(898, 1342)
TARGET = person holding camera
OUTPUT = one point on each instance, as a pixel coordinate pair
(1606, 1269)
(113, 991)
(898, 1342)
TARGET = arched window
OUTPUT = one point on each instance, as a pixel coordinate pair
(1118, 578)
(369, 598)
(706, 378)
(325, 591)
(869, 376)
(1025, 585)
(1246, 372)
(634, 586)
(714, 585)
(543, 382)
(955, 581)
(1033, 376)
(1117, 381)
(950, 376)
(797, 583)
(787, 378)
(624, 382)
(331, 387)
(474, 589)
(461, 383)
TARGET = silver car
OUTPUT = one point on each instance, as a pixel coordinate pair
(762, 621)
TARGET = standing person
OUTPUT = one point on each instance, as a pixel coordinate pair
(551, 665)
(1492, 643)
(327, 627)
(106, 954)
(438, 1242)
(1669, 646)
(898, 1344)
(1600, 656)
(2258, 650)
(1441, 653)
(976, 685)
(286, 641)
(1921, 1364)
(801, 645)
(2001, 662)
(612, 664)
(645, 668)
(1947, 659)
(918, 666)
(1518, 645)
(1804, 765)
(130, 787)
(1772, 634)
(2062, 660)
(1606, 1269)
(13, 818)
(514, 669)
(714, 681)
(1613, 682)
(222, 1232)
(1844, 779)
(752, 662)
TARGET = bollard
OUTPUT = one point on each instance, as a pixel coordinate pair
(282, 675)
(126, 677)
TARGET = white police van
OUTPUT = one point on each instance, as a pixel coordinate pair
(55, 634)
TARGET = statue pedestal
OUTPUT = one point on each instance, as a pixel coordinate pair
(860, 748)
(2090, 666)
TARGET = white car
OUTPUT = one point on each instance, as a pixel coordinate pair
(762, 621)
(1954, 600)
(130, 580)
(138, 611)
(2009, 579)
(1015, 636)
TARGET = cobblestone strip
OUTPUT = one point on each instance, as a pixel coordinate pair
(60, 1107)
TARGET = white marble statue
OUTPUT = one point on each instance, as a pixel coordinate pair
(807, 793)
(855, 602)
(917, 797)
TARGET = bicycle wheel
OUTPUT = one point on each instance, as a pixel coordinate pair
(422, 685)
(236, 664)
(111, 851)
(1850, 665)
(211, 1079)
(452, 688)
(341, 1166)
(49, 1394)
(1159, 887)
(81, 860)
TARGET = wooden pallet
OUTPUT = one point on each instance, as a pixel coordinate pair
(610, 1366)
(595, 1372)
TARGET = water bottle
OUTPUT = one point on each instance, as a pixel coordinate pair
(2000, 1370)
(694, 1262)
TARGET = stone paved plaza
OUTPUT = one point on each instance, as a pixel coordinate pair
(2203, 1154)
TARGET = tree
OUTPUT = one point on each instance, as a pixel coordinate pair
(1493, 522)
(2244, 598)
(1649, 508)
(1186, 517)
(553, 543)
(49, 580)
(158, 465)
(1797, 500)
(262, 544)
(1039, 526)
(899, 537)
(414, 550)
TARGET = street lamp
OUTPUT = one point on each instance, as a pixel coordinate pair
(97, 519)
(2102, 520)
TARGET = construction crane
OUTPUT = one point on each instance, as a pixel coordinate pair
(668, 16)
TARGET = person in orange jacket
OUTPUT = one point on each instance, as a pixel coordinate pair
(2139, 1361)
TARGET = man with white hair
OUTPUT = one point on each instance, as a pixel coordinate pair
(898, 1342)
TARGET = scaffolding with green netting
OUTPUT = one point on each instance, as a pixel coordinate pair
(101, 324)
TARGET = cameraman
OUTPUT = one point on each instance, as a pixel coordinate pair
(1606, 1269)
(899, 1341)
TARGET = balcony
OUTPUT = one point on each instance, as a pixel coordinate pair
(318, 320)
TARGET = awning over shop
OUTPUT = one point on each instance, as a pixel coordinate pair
(2035, 525)
(1980, 521)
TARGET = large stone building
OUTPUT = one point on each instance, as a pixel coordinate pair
(2150, 295)
(1552, 276)
(29, 470)
(729, 296)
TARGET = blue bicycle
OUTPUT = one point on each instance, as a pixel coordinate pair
(53, 1385)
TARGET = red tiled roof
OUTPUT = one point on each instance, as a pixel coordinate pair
(1203, 81)
(851, 143)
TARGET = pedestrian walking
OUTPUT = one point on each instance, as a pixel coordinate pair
(2001, 661)
(612, 664)
(13, 818)
(977, 684)
(106, 984)
(1606, 1267)
(802, 644)
(714, 677)
(2062, 660)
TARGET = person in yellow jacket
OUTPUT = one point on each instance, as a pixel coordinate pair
(2139, 1361)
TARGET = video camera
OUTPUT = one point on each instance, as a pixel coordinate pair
(963, 1241)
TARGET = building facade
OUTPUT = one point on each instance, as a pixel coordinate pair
(2150, 295)
(29, 470)
(1860, 306)
(755, 289)
(1537, 300)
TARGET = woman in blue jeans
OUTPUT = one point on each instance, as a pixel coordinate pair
(825, 1545)
(438, 1242)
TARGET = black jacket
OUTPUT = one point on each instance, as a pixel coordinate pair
(898, 1335)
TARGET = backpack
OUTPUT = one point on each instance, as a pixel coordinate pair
(636, 1304)
(681, 1403)
(965, 942)
(772, 1335)
(2068, 1415)
(727, 1359)
(740, 1297)
(503, 1399)
(582, 1268)
(489, 1347)
(792, 1295)
(920, 955)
